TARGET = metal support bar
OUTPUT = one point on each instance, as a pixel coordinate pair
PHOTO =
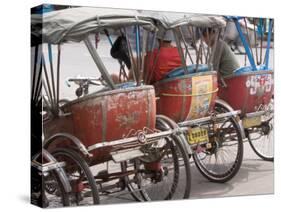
(47, 87)
(258, 113)
(250, 46)
(99, 63)
(180, 51)
(133, 65)
(245, 44)
(186, 46)
(256, 46)
(34, 73)
(38, 87)
(58, 76)
(138, 53)
(47, 167)
(261, 24)
(144, 49)
(268, 43)
(39, 92)
(148, 59)
(48, 95)
(123, 141)
(207, 119)
(50, 54)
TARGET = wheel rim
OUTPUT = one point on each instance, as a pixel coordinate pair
(262, 141)
(54, 193)
(83, 190)
(158, 183)
(221, 160)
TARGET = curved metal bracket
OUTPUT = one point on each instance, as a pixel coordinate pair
(69, 137)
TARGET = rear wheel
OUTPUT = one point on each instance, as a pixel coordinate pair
(261, 138)
(84, 189)
(220, 160)
(164, 172)
(49, 186)
(54, 188)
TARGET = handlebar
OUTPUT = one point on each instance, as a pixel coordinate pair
(84, 80)
(83, 84)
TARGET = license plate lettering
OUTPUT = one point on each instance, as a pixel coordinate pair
(197, 135)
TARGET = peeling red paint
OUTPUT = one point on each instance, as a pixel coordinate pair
(108, 116)
(246, 92)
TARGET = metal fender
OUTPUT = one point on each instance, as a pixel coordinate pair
(170, 124)
(69, 137)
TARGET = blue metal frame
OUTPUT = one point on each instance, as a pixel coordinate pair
(260, 27)
(108, 37)
(137, 40)
(110, 41)
(245, 43)
(268, 43)
(50, 54)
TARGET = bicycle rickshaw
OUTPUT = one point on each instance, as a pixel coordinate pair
(188, 95)
(114, 130)
(255, 84)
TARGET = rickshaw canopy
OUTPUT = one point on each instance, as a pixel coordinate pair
(201, 21)
(170, 21)
(75, 24)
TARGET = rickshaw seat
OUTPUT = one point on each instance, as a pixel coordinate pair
(191, 69)
(125, 85)
(246, 69)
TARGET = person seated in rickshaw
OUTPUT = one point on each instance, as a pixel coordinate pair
(224, 60)
(160, 60)
(163, 59)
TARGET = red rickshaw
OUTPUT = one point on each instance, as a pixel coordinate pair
(114, 130)
(254, 81)
(188, 95)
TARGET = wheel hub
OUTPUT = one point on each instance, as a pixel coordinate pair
(266, 128)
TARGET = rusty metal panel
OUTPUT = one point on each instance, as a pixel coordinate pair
(108, 116)
(249, 91)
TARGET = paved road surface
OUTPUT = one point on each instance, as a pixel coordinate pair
(254, 177)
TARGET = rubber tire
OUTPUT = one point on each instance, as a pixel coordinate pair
(64, 194)
(84, 166)
(177, 143)
(265, 158)
(238, 161)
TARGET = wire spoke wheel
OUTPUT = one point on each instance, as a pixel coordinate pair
(54, 193)
(163, 172)
(84, 189)
(261, 139)
(220, 160)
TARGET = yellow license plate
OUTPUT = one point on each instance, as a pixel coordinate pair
(197, 135)
(251, 122)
